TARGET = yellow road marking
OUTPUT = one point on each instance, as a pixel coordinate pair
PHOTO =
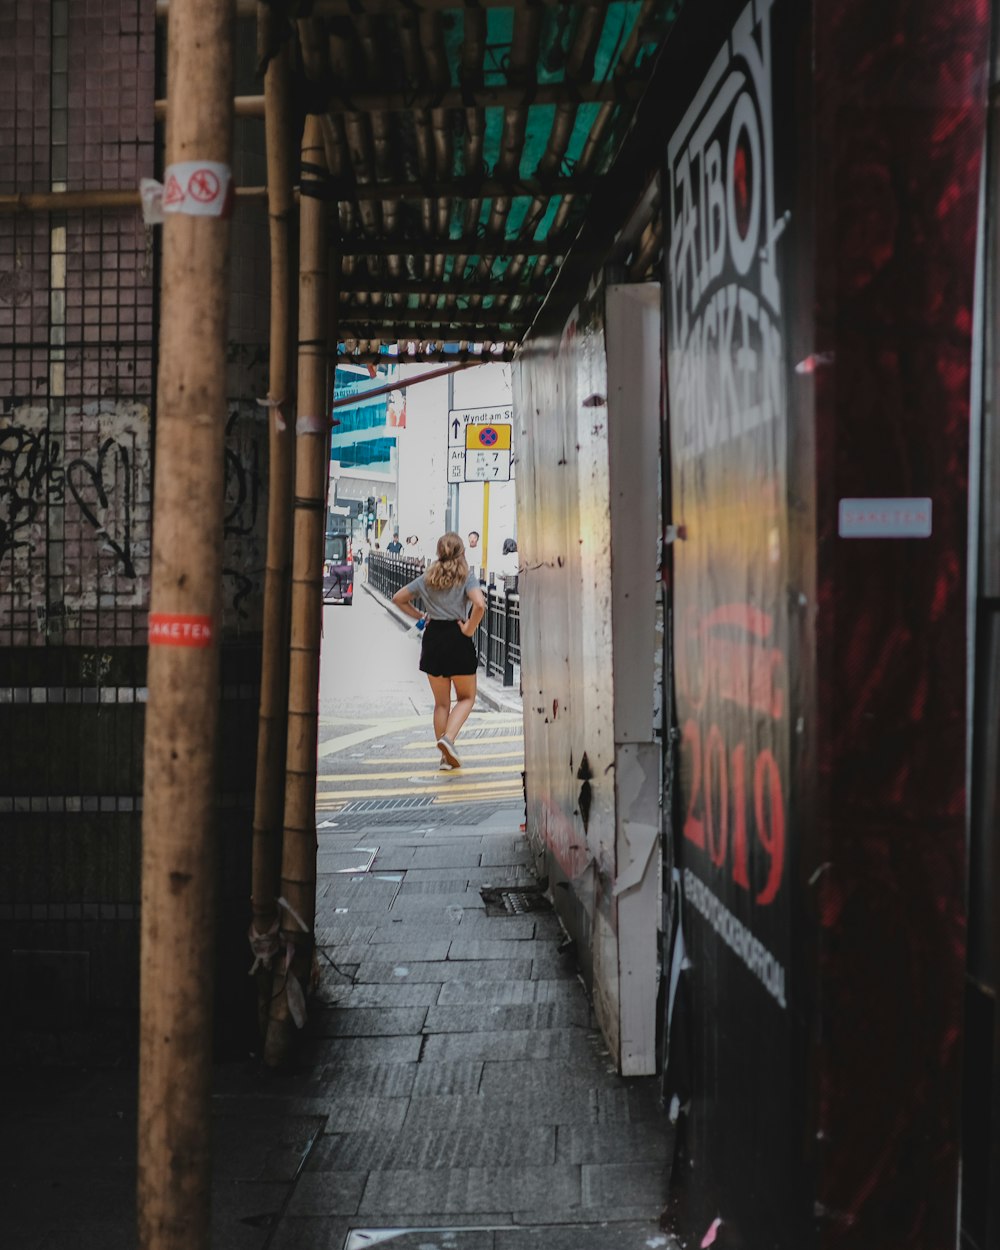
(336, 779)
(433, 754)
(413, 792)
(365, 735)
(484, 797)
(467, 744)
(385, 726)
(396, 721)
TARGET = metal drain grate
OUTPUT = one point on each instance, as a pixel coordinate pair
(493, 731)
(513, 902)
(369, 822)
(384, 805)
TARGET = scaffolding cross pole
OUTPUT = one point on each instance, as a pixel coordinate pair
(619, 90)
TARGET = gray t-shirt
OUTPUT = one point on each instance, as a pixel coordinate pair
(444, 605)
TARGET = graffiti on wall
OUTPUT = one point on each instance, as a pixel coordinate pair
(244, 522)
(75, 516)
(101, 486)
(74, 512)
(30, 476)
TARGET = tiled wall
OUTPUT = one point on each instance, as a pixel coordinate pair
(78, 308)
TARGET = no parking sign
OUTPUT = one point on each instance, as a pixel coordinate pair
(479, 445)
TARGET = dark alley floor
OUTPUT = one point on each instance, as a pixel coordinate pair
(452, 1083)
(452, 1090)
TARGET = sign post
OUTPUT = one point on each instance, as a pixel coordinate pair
(485, 536)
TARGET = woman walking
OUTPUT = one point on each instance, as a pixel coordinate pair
(447, 652)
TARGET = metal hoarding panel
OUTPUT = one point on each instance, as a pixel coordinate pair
(822, 181)
(564, 537)
(899, 120)
(728, 193)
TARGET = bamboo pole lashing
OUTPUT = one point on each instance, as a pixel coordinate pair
(179, 797)
(71, 201)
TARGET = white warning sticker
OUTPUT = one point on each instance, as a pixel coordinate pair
(198, 188)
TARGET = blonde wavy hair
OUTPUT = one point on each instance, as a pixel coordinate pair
(451, 567)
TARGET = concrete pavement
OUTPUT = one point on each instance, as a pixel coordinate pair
(451, 1090)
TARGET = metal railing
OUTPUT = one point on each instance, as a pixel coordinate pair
(498, 638)
(391, 573)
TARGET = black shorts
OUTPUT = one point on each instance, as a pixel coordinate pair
(446, 652)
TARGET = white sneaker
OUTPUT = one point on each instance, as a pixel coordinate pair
(444, 766)
(448, 752)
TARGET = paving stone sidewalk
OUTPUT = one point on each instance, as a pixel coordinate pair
(459, 1084)
(452, 1088)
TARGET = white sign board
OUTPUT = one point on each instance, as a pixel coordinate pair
(487, 466)
(472, 458)
(884, 518)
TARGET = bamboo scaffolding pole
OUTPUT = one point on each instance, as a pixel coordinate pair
(348, 190)
(355, 284)
(69, 201)
(471, 246)
(178, 858)
(369, 356)
(347, 401)
(400, 314)
(471, 74)
(429, 334)
(621, 90)
(298, 856)
(375, 8)
(269, 796)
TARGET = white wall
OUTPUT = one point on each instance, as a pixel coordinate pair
(422, 451)
(422, 500)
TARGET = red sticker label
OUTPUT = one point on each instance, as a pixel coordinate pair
(168, 629)
(173, 192)
(204, 186)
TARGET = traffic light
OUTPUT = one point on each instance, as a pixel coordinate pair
(370, 507)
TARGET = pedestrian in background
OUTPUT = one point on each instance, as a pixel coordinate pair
(509, 560)
(453, 607)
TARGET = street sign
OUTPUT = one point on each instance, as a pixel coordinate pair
(456, 464)
(492, 437)
(479, 444)
(460, 418)
(487, 466)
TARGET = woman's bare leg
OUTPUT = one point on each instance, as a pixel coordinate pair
(441, 689)
(465, 701)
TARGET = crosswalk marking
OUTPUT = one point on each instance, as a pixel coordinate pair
(338, 778)
(468, 745)
(445, 785)
(484, 797)
(467, 754)
(491, 772)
